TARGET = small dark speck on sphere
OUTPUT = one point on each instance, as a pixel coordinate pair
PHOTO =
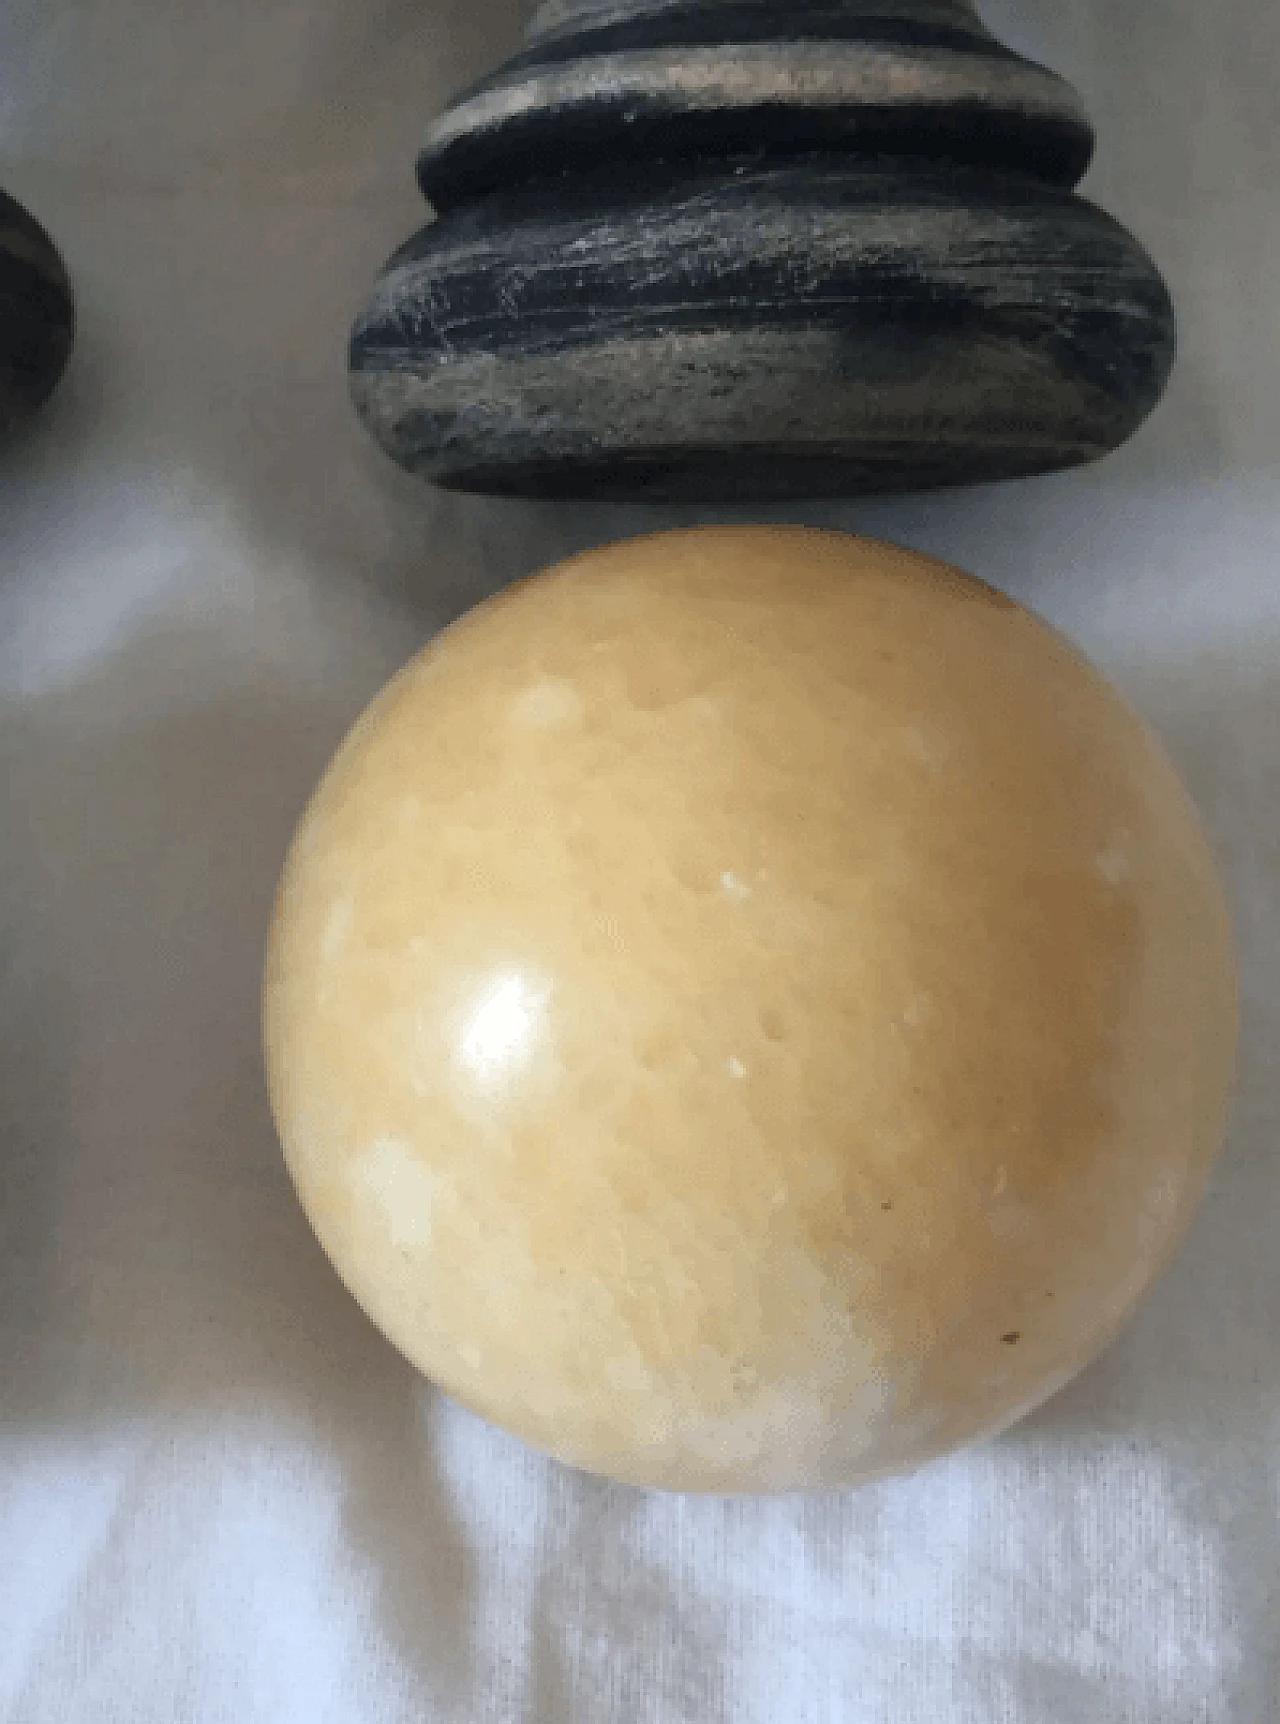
(1012, 1338)
(886, 1205)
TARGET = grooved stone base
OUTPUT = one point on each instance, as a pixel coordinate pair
(707, 249)
(815, 329)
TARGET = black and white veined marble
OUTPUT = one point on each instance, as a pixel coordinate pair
(707, 249)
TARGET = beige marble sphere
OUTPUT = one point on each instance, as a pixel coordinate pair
(750, 1009)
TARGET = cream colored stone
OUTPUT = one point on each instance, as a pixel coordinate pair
(791, 1032)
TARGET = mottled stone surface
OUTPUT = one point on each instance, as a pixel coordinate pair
(36, 314)
(717, 248)
(750, 1010)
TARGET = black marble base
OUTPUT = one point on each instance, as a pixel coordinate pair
(36, 314)
(700, 250)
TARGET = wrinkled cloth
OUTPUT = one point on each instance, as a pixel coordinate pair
(223, 1498)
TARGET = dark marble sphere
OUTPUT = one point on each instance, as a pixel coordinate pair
(37, 318)
(720, 249)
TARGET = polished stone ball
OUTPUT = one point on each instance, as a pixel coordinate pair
(750, 1009)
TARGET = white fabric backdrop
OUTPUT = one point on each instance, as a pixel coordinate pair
(222, 1497)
